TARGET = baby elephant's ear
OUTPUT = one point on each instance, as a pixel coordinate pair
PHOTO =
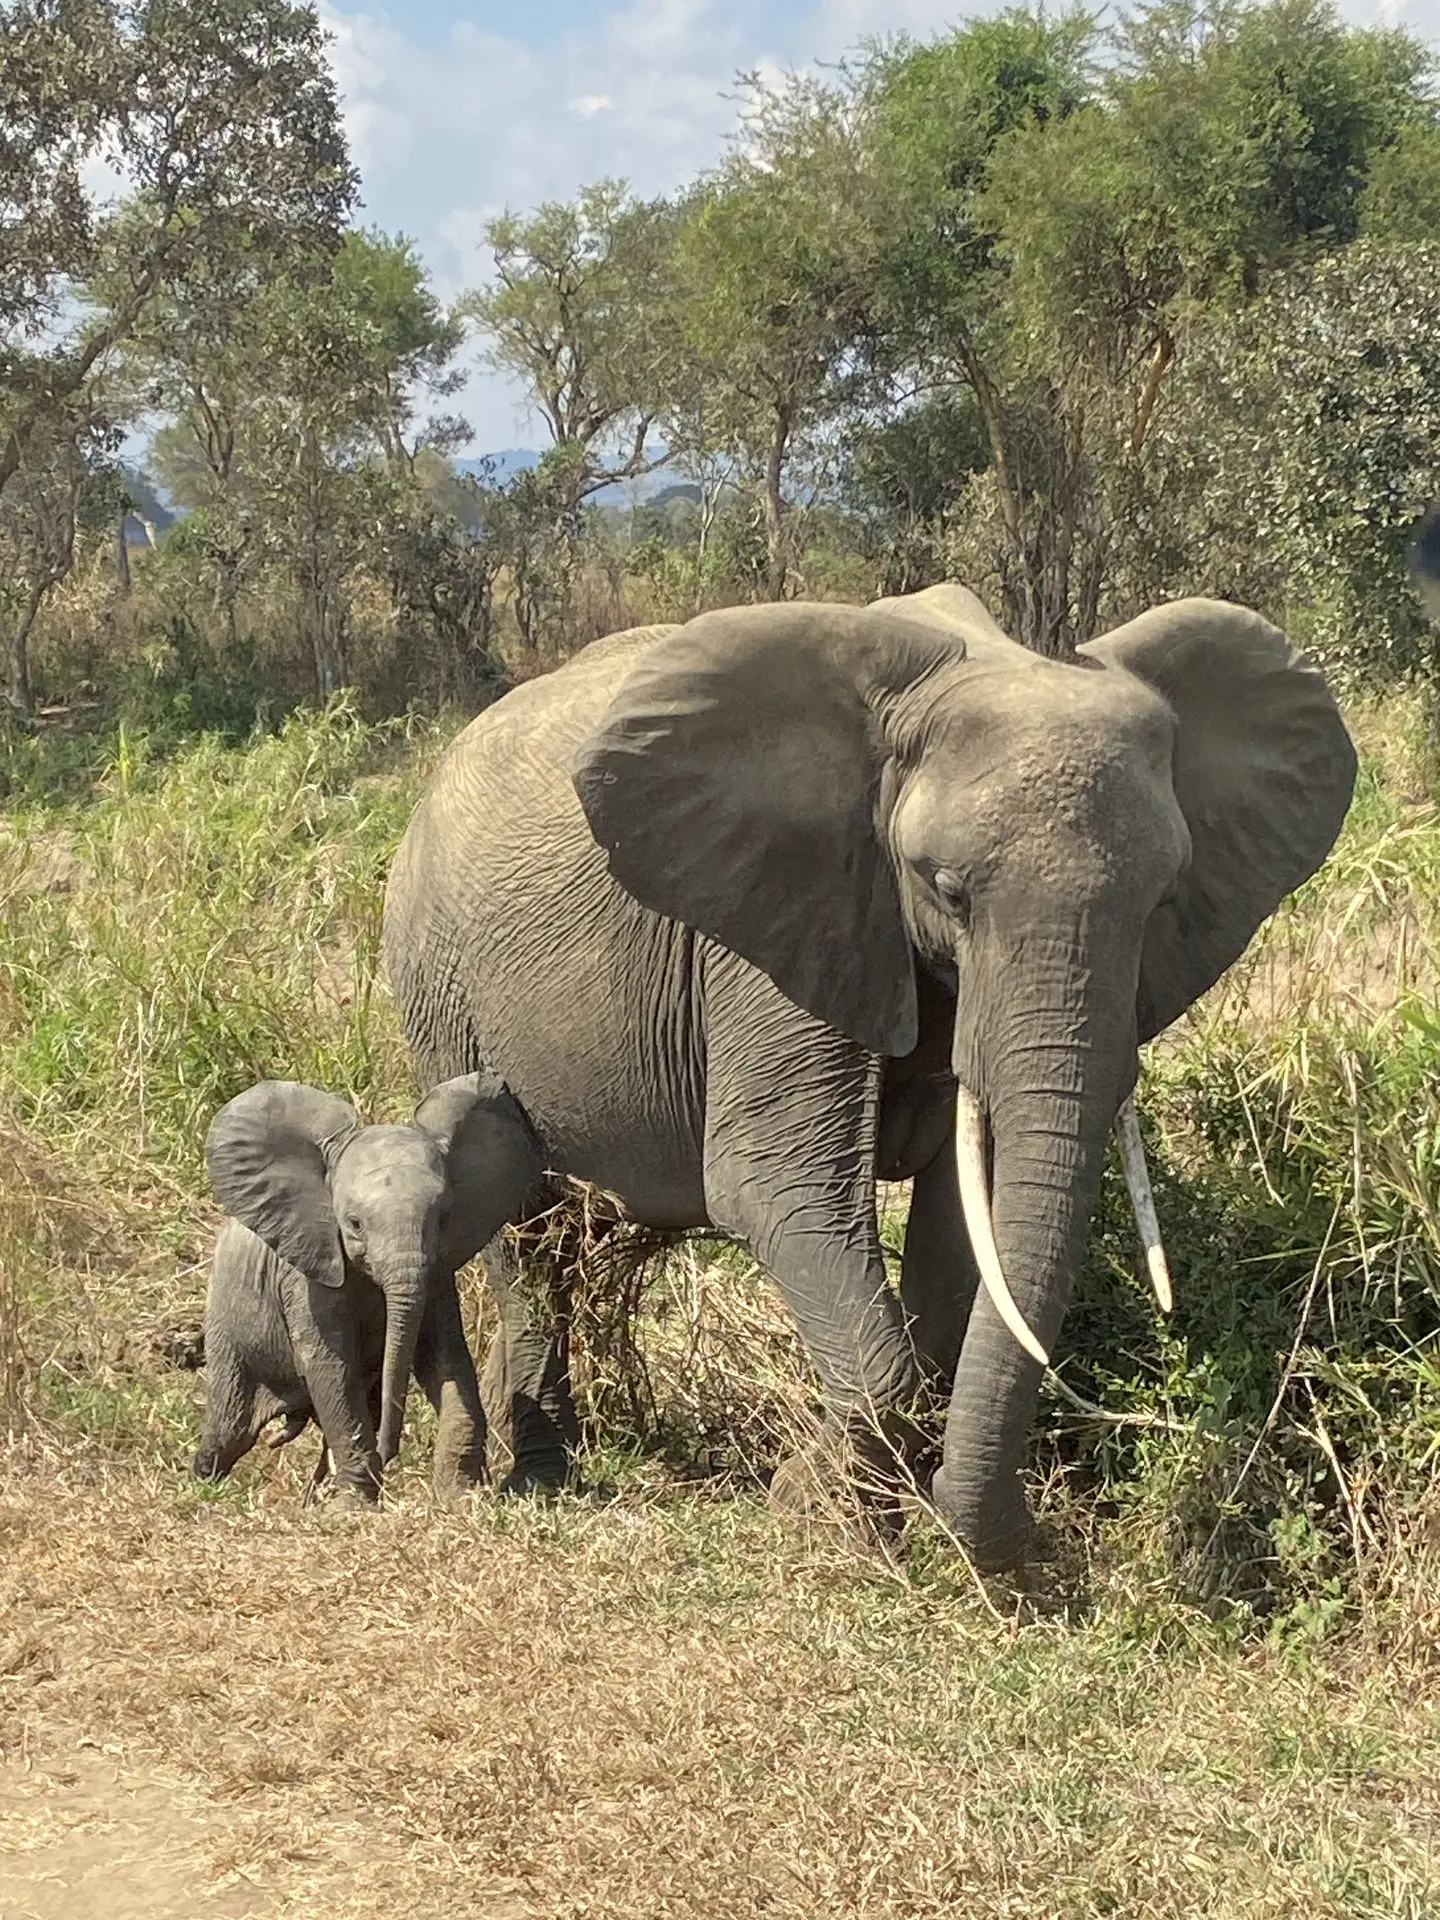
(270, 1152)
(493, 1156)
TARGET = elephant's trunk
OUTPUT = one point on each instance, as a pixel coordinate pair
(974, 1184)
(403, 1284)
(1054, 1077)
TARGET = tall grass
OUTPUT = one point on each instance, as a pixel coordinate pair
(178, 922)
(1275, 1447)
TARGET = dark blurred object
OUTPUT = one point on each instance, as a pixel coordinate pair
(1425, 561)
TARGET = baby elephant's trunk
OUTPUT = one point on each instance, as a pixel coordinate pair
(403, 1284)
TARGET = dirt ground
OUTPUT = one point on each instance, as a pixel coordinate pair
(84, 1835)
(661, 1709)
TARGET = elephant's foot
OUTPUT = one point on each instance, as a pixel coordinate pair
(454, 1490)
(858, 1481)
(345, 1506)
(995, 1529)
(457, 1475)
(354, 1486)
(531, 1447)
(359, 1494)
(539, 1479)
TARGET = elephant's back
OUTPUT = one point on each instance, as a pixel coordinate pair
(531, 732)
(508, 942)
(505, 779)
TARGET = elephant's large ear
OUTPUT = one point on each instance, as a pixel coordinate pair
(1264, 770)
(270, 1152)
(492, 1155)
(737, 784)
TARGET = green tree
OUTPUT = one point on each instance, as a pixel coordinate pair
(342, 362)
(579, 314)
(297, 412)
(219, 121)
(1302, 441)
(904, 474)
(937, 118)
(220, 118)
(1057, 273)
(68, 484)
(774, 268)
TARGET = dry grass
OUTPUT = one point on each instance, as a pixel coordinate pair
(667, 1708)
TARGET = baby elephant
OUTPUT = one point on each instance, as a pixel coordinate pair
(334, 1273)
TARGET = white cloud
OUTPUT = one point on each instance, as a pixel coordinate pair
(587, 105)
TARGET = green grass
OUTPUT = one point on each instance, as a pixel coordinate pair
(1282, 1433)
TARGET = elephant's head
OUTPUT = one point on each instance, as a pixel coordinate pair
(1079, 847)
(325, 1192)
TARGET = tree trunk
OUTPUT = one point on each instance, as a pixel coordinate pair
(122, 553)
(18, 686)
(776, 531)
(1150, 392)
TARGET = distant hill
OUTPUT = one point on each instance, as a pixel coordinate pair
(503, 466)
(500, 467)
(660, 487)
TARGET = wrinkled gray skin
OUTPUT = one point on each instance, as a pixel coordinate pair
(732, 905)
(334, 1273)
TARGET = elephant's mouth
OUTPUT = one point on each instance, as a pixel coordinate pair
(970, 1160)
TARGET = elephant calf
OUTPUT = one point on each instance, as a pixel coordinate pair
(334, 1272)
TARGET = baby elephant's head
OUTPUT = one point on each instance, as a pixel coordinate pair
(328, 1194)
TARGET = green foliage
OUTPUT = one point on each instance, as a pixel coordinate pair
(1270, 1449)
(222, 928)
(1048, 304)
(580, 314)
(222, 123)
(296, 402)
(1266, 1457)
(1296, 453)
(1055, 236)
(904, 476)
(774, 263)
(937, 114)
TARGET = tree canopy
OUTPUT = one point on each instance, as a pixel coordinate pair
(1084, 311)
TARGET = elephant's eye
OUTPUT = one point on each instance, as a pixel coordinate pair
(952, 893)
(354, 1226)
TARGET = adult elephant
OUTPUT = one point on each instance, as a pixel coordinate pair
(734, 907)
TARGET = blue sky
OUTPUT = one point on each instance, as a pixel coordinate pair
(458, 108)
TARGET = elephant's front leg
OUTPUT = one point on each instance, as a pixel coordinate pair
(790, 1146)
(446, 1371)
(327, 1349)
(938, 1275)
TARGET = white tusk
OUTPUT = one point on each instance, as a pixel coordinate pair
(975, 1200)
(1142, 1199)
